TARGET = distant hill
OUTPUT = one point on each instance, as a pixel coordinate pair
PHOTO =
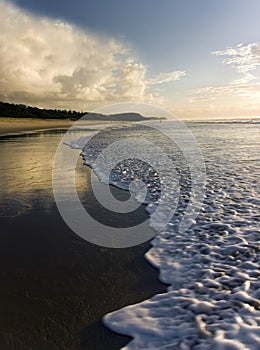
(10, 110)
(123, 117)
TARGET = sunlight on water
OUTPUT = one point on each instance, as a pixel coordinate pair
(26, 171)
(213, 268)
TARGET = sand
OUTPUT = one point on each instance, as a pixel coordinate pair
(21, 125)
(56, 287)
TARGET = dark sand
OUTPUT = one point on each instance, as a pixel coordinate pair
(21, 125)
(55, 287)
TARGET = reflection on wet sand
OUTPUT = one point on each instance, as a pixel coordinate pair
(55, 287)
(26, 171)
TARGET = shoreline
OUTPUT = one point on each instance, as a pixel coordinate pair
(55, 285)
(16, 126)
(19, 126)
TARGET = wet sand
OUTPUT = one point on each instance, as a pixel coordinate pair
(56, 287)
(21, 125)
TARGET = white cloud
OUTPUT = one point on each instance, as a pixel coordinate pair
(52, 64)
(244, 58)
(166, 77)
(247, 92)
(201, 98)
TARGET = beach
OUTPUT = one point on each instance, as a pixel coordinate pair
(21, 125)
(11, 126)
(56, 287)
(130, 195)
(197, 289)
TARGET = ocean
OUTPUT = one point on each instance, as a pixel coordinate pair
(211, 267)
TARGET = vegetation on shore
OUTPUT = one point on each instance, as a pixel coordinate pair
(10, 110)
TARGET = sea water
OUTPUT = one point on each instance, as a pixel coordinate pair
(212, 268)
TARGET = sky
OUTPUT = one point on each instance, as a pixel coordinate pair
(194, 58)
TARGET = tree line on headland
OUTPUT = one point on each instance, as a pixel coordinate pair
(10, 110)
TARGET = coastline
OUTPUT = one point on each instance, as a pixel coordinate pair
(56, 287)
(17, 126)
(9, 126)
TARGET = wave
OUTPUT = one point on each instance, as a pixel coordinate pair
(212, 268)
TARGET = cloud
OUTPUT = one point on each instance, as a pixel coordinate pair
(166, 77)
(244, 58)
(241, 98)
(52, 64)
(246, 90)
(201, 98)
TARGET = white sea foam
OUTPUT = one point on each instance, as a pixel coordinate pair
(212, 269)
